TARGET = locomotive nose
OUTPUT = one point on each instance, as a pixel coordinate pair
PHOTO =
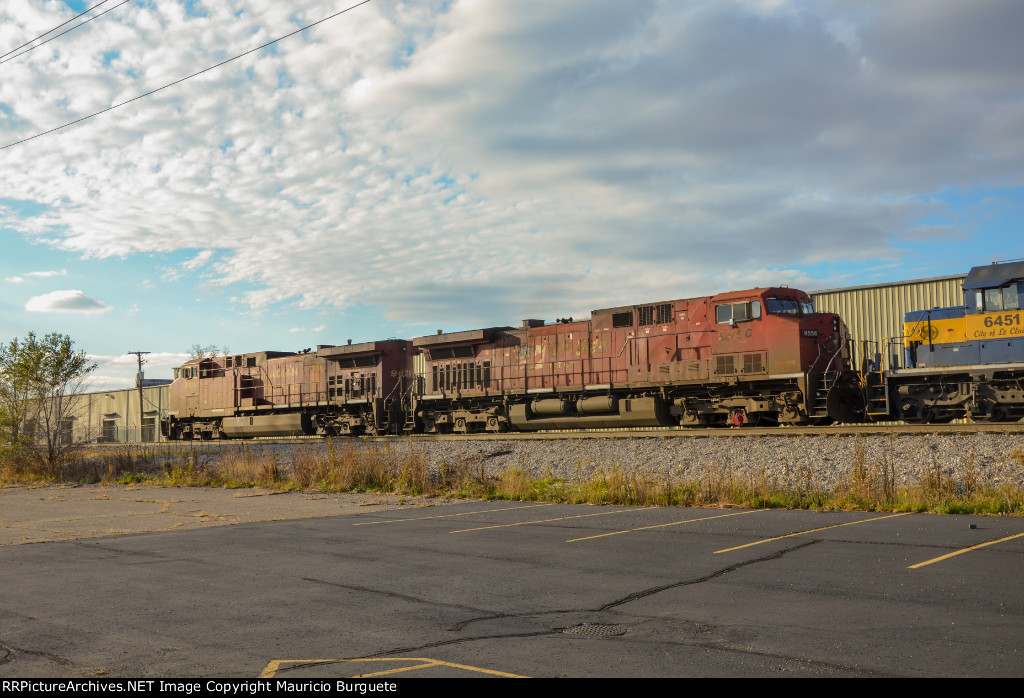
(823, 330)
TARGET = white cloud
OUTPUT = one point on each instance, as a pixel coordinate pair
(157, 358)
(118, 370)
(36, 275)
(473, 162)
(71, 301)
(198, 262)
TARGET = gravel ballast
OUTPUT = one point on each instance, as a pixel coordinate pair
(788, 460)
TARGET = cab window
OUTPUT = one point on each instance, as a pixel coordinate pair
(737, 312)
(995, 299)
(1010, 301)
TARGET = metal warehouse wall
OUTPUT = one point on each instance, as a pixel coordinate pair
(875, 313)
(113, 415)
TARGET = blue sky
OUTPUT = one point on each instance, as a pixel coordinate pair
(410, 166)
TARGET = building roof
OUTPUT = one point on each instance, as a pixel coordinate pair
(890, 284)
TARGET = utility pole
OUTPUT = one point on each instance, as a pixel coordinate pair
(138, 384)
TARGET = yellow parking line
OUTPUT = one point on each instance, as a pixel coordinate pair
(399, 670)
(274, 666)
(813, 530)
(448, 516)
(961, 552)
(674, 523)
(561, 518)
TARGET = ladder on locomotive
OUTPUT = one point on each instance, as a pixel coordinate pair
(873, 377)
(818, 406)
(399, 401)
(876, 391)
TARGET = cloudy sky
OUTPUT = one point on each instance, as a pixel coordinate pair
(409, 166)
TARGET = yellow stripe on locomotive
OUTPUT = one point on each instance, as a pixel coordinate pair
(939, 328)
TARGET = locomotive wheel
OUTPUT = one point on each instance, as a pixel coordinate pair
(994, 414)
(912, 412)
(741, 418)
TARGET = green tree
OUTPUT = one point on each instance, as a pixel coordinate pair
(40, 381)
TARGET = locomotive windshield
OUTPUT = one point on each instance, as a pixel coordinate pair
(1005, 298)
(788, 306)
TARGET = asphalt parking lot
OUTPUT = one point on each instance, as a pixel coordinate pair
(184, 583)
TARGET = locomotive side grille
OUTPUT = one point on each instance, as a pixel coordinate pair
(752, 363)
(725, 364)
(646, 315)
(664, 313)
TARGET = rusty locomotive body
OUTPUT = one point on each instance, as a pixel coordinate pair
(351, 389)
(738, 358)
(747, 357)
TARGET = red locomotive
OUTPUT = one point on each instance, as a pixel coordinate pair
(744, 357)
(352, 389)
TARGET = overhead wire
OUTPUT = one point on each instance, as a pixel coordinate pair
(187, 77)
(84, 12)
(80, 24)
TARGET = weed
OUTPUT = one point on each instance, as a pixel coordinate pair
(352, 466)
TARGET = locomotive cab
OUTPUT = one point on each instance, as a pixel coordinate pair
(774, 336)
(784, 328)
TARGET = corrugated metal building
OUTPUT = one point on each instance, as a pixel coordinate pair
(113, 415)
(875, 313)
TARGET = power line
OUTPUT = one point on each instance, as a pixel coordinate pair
(102, 2)
(188, 77)
(80, 24)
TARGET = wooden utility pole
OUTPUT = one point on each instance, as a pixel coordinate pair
(138, 384)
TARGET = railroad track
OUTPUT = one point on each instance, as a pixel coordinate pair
(647, 432)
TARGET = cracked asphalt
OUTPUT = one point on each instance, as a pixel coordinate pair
(323, 587)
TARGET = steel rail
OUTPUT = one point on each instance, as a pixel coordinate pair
(881, 428)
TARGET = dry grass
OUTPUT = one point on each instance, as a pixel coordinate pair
(348, 466)
(348, 469)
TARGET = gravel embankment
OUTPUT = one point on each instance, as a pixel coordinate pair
(822, 461)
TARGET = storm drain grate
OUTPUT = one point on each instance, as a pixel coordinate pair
(596, 630)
